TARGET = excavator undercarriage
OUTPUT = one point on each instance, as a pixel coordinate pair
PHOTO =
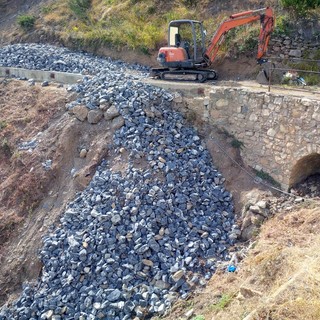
(194, 75)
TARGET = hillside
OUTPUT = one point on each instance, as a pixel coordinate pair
(134, 30)
(131, 30)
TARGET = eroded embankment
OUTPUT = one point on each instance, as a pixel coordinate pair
(143, 231)
(46, 156)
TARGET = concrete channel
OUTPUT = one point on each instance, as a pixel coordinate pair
(40, 75)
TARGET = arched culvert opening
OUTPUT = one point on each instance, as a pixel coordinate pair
(305, 176)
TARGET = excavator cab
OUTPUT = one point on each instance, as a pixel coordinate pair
(186, 45)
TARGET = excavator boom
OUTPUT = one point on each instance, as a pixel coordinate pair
(266, 18)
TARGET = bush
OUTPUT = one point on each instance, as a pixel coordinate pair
(26, 22)
(300, 6)
(190, 3)
(80, 7)
(284, 25)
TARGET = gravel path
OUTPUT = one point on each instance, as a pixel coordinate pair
(133, 241)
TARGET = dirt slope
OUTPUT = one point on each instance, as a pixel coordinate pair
(36, 183)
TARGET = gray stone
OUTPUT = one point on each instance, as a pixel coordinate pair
(94, 116)
(45, 84)
(83, 153)
(114, 295)
(111, 113)
(297, 53)
(117, 122)
(81, 112)
(178, 275)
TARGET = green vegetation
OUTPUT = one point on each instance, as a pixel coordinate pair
(243, 39)
(26, 22)
(131, 24)
(310, 78)
(237, 144)
(47, 9)
(3, 124)
(200, 317)
(300, 7)
(5, 147)
(283, 26)
(141, 25)
(80, 8)
(223, 302)
(266, 177)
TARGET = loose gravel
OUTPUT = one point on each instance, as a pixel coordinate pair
(51, 58)
(135, 240)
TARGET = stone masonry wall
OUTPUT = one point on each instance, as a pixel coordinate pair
(293, 47)
(277, 130)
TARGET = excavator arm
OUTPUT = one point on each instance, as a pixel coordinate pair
(266, 18)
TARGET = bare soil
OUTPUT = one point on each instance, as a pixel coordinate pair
(277, 278)
(31, 196)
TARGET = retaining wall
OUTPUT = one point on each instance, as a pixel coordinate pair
(280, 133)
(39, 75)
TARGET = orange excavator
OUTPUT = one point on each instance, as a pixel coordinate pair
(186, 56)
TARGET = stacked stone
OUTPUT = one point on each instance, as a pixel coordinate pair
(293, 47)
(134, 241)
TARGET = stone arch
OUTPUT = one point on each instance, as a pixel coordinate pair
(304, 168)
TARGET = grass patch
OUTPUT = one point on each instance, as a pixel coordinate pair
(26, 22)
(199, 317)
(3, 124)
(223, 302)
(266, 177)
(80, 8)
(132, 24)
(5, 148)
(283, 25)
(47, 9)
(237, 144)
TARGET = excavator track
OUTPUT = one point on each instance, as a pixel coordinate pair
(194, 75)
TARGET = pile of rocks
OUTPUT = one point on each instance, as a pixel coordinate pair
(256, 210)
(51, 58)
(135, 240)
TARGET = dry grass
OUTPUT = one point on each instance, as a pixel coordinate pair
(137, 25)
(283, 271)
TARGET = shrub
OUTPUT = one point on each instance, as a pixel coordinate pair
(189, 3)
(26, 22)
(237, 144)
(80, 7)
(300, 7)
(200, 317)
(3, 124)
(283, 26)
(267, 178)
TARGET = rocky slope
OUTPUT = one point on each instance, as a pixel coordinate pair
(137, 237)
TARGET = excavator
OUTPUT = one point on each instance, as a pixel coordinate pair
(186, 56)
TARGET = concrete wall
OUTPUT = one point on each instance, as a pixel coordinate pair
(281, 134)
(38, 75)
